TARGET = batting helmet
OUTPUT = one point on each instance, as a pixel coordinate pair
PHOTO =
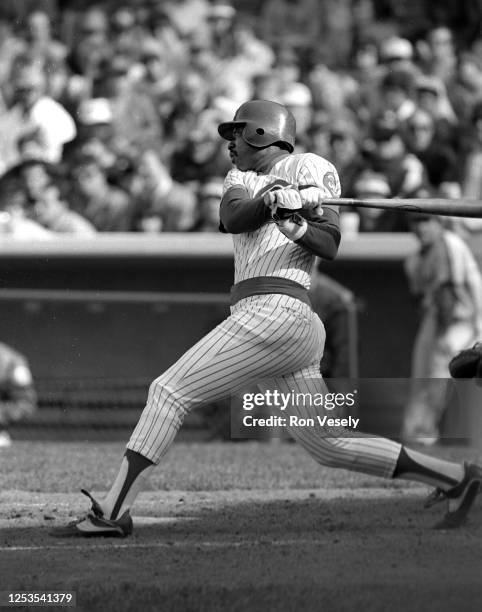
(263, 122)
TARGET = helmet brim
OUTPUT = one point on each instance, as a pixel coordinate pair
(226, 129)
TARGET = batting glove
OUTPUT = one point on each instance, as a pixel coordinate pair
(285, 205)
(283, 202)
(312, 198)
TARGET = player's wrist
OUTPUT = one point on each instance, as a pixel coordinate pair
(294, 229)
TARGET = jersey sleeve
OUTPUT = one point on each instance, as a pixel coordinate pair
(319, 172)
(322, 237)
(234, 178)
(238, 212)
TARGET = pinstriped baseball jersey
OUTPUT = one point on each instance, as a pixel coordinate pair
(266, 251)
(267, 337)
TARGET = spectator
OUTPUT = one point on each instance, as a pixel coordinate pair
(437, 157)
(465, 89)
(396, 95)
(161, 204)
(135, 122)
(209, 199)
(297, 98)
(290, 24)
(438, 53)
(319, 135)
(203, 154)
(40, 112)
(13, 218)
(386, 153)
(39, 39)
(345, 152)
(396, 54)
(18, 399)
(53, 213)
(107, 208)
(374, 185)
(431, 96)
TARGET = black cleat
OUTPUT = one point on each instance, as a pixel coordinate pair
(95, 525)
(460, 498)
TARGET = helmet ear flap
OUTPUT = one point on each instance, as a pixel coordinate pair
(265, 123)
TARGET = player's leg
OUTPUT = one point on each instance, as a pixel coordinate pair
(354, 450)
(378, 456)
(259, 340)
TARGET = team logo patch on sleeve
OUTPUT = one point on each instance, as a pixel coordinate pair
(329, 182)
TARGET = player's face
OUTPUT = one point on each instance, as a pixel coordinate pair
(241, 153)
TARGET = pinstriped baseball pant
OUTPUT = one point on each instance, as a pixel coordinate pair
(267, 337)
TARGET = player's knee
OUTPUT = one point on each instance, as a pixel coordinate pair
(165, 399)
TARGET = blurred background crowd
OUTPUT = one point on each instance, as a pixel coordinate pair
(109, 110)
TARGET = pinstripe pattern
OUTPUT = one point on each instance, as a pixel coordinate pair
(266, 337)
(266, 251)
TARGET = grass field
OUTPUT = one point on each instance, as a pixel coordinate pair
(234, 526)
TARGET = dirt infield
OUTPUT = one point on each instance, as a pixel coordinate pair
(243, 527)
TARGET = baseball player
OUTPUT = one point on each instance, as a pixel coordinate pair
(445, 277)
(275, 204)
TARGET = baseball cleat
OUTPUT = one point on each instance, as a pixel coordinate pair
(460, 498)
(95, 525)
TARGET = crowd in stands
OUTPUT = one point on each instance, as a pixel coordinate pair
(109, 114)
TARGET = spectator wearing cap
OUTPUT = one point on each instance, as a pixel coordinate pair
(439, 159)
(386, 152)
(375, 185)
(297, 98)
(431, 96)
(396, 89)
(396, 54)
(209, 198)
(39, 111)
(107, 208)
(95, 136)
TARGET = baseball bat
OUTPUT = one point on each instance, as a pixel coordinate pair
(463, 207)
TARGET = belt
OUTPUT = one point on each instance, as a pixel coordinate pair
(262, 285)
